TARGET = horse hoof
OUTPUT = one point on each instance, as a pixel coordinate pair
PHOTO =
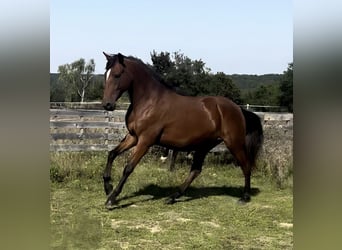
(170, 201)
(241, 202)
(110, 205)
(244, 199)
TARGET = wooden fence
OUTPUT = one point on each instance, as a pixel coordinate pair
(98, 106)
(100, 130)
(85, 105)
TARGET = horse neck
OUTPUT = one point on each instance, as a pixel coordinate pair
(145, 89)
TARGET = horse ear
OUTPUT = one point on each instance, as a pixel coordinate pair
(121, 58)
(107, 56)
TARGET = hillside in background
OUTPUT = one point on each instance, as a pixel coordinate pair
(251, 82)
(246, 83)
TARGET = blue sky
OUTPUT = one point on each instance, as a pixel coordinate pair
(242, 37)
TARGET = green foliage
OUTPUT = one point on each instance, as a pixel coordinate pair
(286, 88)
(192, 77)
(76, 78)
(263, 95)
(58, 92)
(95, 89)
(221, 84)
(258, 89)
(162, 62)
(70, 166)
(250, 82)
(187, 76)
(207, 217)
(270, 89)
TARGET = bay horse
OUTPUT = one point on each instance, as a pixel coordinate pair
(157, 115)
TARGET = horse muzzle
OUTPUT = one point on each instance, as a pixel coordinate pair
(109, 106)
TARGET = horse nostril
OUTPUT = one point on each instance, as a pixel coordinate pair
(109, 106)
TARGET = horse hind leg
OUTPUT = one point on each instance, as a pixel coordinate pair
(195, 171)
(240, 154)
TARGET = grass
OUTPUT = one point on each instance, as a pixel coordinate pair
(208, 217)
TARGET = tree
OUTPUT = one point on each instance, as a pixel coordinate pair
(264, 95)
(192, 77)
(286, 88)
(95, 89)
(76, 77)
(222, 85)
(162, 63)
(57, 91)
(189, 75)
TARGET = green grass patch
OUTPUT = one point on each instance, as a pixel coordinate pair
(207, 217)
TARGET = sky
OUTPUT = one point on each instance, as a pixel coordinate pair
(230, 36)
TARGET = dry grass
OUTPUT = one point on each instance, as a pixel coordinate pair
(276, 158)
(208, 217)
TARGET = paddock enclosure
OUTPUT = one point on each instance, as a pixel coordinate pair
(81, 135)
(87, 127)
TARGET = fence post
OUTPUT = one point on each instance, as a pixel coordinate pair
(81, 130)
(107, 128)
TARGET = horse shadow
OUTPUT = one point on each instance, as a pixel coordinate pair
(156, 192)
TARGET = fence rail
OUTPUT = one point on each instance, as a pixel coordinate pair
(85, 112)
(123, 106)
(99, 130)
(85, 105)
(83, 124)
(264, 108)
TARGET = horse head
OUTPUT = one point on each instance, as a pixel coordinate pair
(117, 80)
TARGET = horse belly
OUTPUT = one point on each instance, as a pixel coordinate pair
(188, 134)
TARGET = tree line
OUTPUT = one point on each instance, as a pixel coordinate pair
(76, 81)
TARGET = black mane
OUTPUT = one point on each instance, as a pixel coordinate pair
(149, 68)
(155, 75)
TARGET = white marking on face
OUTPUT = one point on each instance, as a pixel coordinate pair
(108, 74)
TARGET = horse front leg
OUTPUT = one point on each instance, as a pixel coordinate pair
(128, 142)
(139, 151)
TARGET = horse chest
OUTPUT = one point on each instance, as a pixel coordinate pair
(138, 124)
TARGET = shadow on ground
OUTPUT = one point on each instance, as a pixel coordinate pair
(155, 192)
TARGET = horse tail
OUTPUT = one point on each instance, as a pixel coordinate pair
(254, 135)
